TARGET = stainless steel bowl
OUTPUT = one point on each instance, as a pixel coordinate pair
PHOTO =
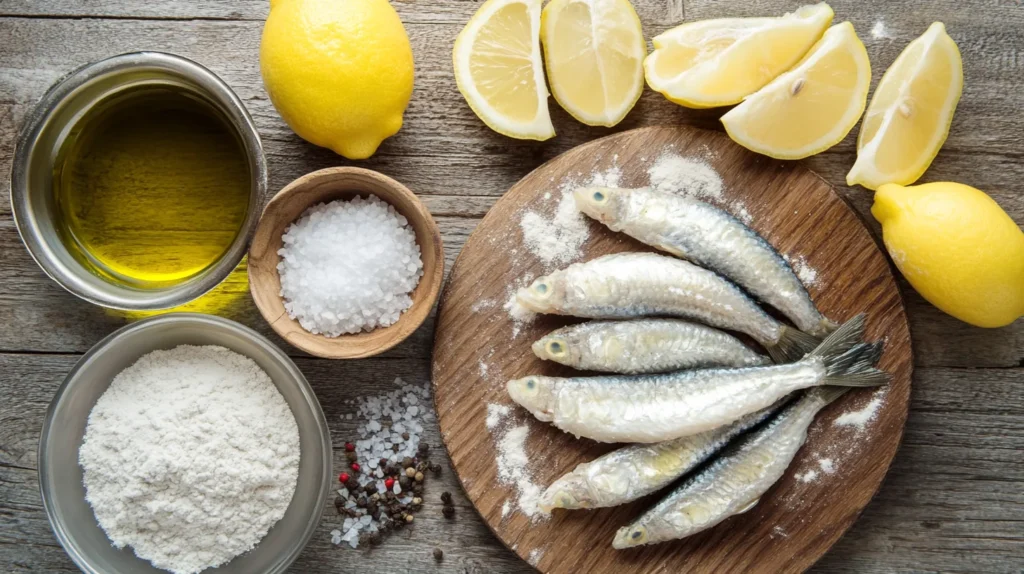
(43, 133)
(60, 477)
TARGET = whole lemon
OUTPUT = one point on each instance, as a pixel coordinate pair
(340, 72)
(957, 247)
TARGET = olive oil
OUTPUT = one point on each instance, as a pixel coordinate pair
(152, 187)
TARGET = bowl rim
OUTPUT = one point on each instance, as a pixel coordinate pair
(79, 558)
(70, 278)
(341, 347)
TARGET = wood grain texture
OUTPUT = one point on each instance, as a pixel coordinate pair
(953, 499)
(324, 186)
(799, 214)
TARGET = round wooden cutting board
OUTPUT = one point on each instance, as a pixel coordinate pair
(479, 347)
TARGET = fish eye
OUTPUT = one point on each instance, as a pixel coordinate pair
(531, 384)
(556, 348)
(599, 196)
(542, 287)
(636, 535)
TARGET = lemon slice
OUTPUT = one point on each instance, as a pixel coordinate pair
(719, 62)
(498, 69)
(909, 115)
(594, 52)
(811, 107)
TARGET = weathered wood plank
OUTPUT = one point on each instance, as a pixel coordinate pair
(953, 500)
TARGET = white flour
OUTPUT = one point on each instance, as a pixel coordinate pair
(190, 456)
(860, 419)
(559, 239)
(513, 469)
(673, 173)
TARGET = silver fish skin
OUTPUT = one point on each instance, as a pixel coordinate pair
(644, 346)
(634, 471)
(710, 237)
(631, 285)
(655, 408)
(732, 484)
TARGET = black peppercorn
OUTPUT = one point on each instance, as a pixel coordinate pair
(448, 511)
(394, 447)
(424, 448)
(361, 502)
(383, 463)
(446, 497)
(351, 456)
(370, 488)
(405, 436)
(417, 488)
(405, 482)
(438, 554)
(407, 462)
(389, 495)
(352, 485)
(375, 539)
(436, 468)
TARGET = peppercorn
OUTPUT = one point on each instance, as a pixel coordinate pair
(355, 466)
(448, 511)
(351, 456)
(339, 503)
(383, 464)
(410, 472)
(389, 495)
(361, 502)
(436, 468)
(375, 515)
(407, 462)
(352, 484)
(389, 483)
(364, 538)
(405, 436)
(375, 539)
(396, 516)
(446, 497)
(375, 496)
(422, 465)
(418, 477)
(394, 447)
(343, 477)
(405, 482)
(417, 488)
(349, 447)
(423, 449)
(408, 518)
(438, 554)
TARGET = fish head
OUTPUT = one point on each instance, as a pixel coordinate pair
(631, 536)
(600, 203)
(559, 346)
(569, 492)
(536, 394)
(544, 295)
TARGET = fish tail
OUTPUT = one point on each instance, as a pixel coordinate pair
(850, 362)
(792, 345)
(826, 326)
(828, 394)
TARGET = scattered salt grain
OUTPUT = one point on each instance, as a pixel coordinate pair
(482, 305)
(804, 272)
(673, 173)
(860, 418)
(349, 266)
(520, 315)
(739, 211)
(879, 30)
(495, 413)
(506, 508)
(779, 531)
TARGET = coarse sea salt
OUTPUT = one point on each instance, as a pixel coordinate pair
(384, 419)
(349, 266)
(859, 419)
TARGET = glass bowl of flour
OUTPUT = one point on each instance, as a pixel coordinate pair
(189, 440)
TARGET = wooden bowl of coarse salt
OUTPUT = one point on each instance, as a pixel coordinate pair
(345, 263)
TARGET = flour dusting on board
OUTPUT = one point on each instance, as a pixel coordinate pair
(673, 173)
(513, 462)
(859, 419)
(534, 557)
(805, 273)
(559, 239)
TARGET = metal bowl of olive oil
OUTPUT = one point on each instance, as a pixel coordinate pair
(137, 181)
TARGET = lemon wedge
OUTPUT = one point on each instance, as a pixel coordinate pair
(498, 68)
(909, 115)
(719, 62)
(811, 107)
(594, 52)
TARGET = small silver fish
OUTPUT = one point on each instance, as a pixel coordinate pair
(655, 408)
(630, 285)
(637, 470)
(645, 346)
(710, 237)
(732, 484)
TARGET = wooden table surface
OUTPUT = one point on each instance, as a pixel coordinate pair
(954, 498)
